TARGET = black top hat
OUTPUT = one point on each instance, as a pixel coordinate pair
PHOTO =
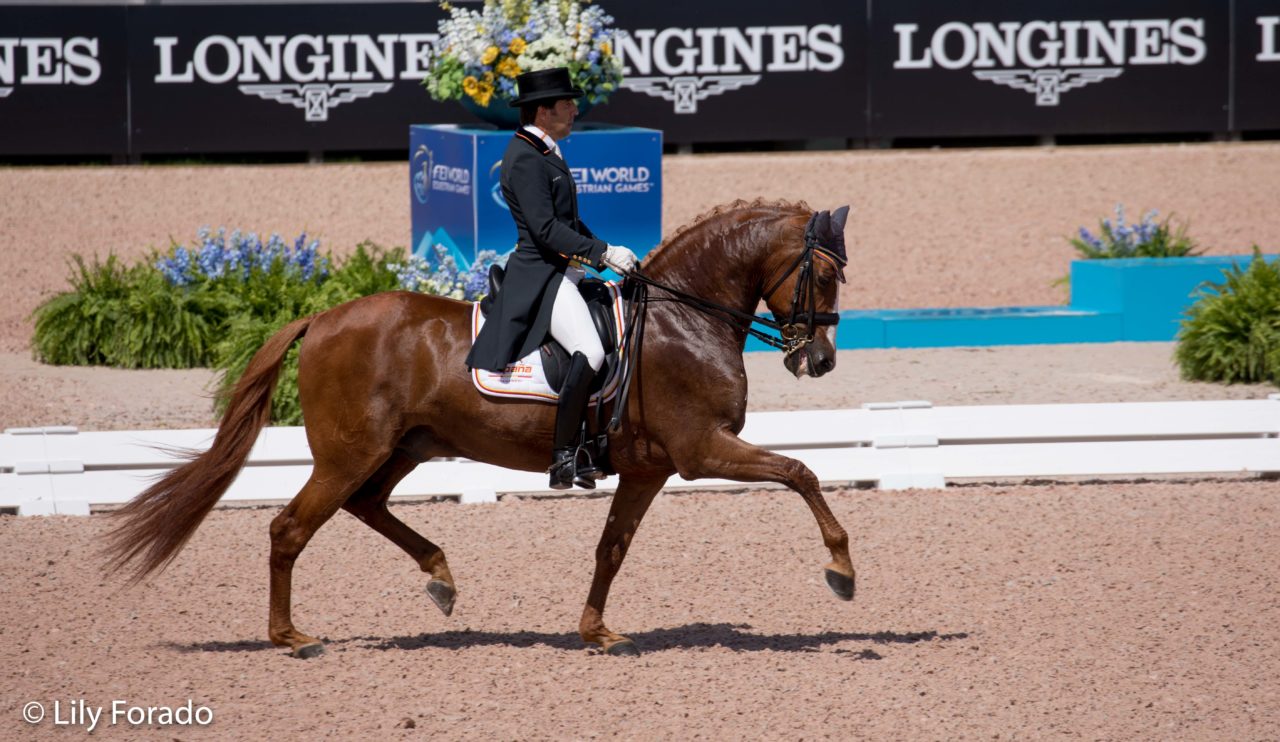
(545, 86)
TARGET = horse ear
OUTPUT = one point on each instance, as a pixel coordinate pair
(839, 217)
(822, 223)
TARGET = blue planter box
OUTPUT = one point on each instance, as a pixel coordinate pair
(456, 200)
(1140, 299)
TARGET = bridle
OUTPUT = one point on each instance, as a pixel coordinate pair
(800, 326)
(797, 331)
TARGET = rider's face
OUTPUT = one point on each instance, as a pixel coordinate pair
(559, 118)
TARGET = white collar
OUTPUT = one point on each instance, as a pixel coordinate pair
(546, 139)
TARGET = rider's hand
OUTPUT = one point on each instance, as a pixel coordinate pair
(620, 259)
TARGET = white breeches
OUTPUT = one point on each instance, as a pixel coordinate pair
(571, 324)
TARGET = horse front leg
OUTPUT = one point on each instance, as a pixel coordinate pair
(726, 456)
(630, 502)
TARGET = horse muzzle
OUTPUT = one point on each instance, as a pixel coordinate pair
(811, 361)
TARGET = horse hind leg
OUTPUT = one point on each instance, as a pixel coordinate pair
(369, 504)
(325, 491)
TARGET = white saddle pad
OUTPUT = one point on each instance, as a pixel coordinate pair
(526, 379)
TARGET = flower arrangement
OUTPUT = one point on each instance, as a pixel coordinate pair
(417, 274)
(212, 258)
(1146, 239)
(481, 52)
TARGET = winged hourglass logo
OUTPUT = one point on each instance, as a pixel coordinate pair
(1048, 84)
(687, 90)
(317, 98)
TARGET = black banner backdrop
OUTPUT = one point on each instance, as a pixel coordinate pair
(63, 84)
(1257, 68)
(729, 70)
(214, 78)
(333, 77)
(1008, 67)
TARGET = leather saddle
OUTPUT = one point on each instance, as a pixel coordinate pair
(555, 359)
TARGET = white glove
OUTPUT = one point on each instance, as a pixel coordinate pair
(620, 259)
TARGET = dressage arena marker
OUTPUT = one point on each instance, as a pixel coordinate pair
(893, 445)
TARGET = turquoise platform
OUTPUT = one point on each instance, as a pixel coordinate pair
(1140, 299)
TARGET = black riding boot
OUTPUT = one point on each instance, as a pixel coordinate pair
(574, 396)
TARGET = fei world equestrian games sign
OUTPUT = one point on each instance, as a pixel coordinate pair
(148, 78)
(455, 191)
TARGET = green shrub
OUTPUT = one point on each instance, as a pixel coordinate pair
(364, 273)
(1232, 332)
(212, 304)
(245, 334)
(128, 318)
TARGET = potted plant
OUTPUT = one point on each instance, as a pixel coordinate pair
(481, 52)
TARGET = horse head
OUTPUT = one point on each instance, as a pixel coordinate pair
(803, 292)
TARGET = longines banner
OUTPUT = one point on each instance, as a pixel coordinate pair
(728, 70)
(1257, 69)
(148, 78)
(281, 77)
(999, 67)
(63, 86)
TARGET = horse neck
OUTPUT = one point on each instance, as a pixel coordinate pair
(723, 260)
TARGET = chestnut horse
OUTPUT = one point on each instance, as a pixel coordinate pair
(383, 387)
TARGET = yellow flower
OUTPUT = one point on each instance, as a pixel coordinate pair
(508, 67)
(487, 79)
(489, 55)
(470, 85)
(517, 46)
(483, 94)
(605, 48)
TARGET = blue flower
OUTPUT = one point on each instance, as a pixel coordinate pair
(1089, 239)
(176, 268)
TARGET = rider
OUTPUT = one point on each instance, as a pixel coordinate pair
(540, 292)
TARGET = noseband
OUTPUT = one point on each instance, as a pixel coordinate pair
(801, 323)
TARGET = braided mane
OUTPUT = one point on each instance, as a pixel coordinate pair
(735, 205)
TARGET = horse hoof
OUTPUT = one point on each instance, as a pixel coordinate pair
(841, 585)
(443, 595)
(624, 648)
(308, 651)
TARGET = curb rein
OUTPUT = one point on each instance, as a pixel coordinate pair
(799, 329)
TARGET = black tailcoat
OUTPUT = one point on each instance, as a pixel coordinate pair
(544, 202)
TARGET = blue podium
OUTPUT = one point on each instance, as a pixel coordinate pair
(456, 200)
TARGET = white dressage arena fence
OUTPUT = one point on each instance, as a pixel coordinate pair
(893, 445)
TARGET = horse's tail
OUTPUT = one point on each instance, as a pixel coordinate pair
(158, 523)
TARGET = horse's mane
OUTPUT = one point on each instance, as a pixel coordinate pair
(736, 205)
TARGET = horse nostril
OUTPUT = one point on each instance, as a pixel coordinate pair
(825, 364)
